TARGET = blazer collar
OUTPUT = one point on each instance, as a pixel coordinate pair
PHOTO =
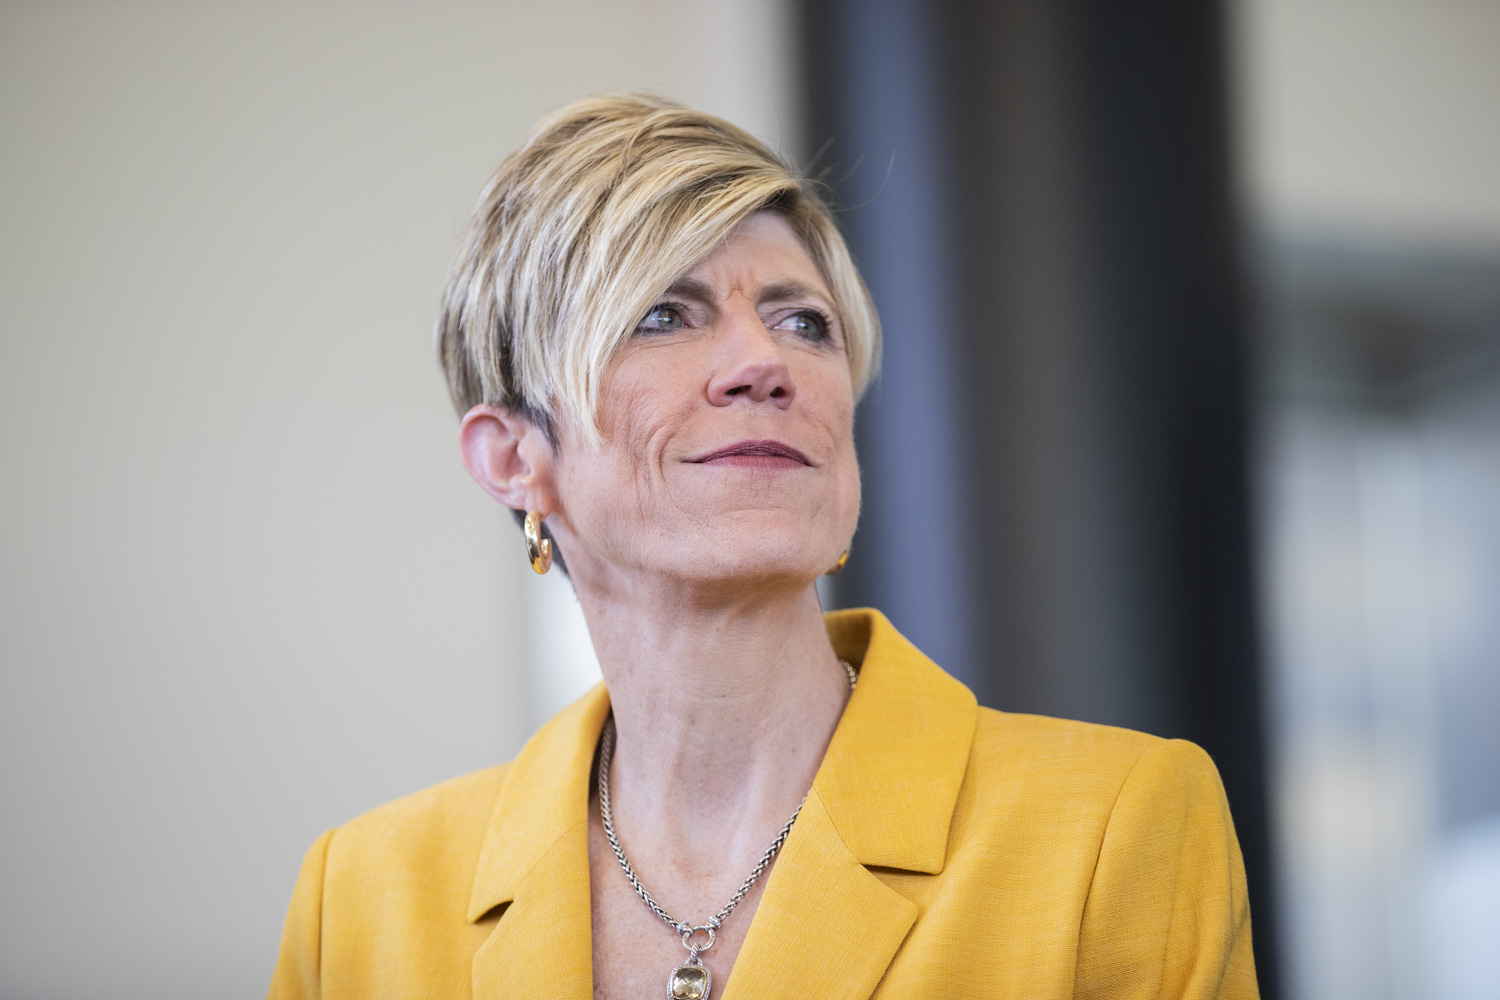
(891, 775)
(883, 796)
(544, 796)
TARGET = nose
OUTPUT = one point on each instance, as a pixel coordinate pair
(753, 366)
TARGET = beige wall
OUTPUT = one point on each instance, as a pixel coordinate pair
(246, 590)
(1374, 119)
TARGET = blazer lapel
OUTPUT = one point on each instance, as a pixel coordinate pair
(883, 796)
(535, 863)
(542, 945)
(825, 926)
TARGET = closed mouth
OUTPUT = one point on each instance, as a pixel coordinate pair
(767, 451)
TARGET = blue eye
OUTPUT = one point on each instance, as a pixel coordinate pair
(662, 318)
(807, 324)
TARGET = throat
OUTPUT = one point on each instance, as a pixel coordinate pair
(713, 743)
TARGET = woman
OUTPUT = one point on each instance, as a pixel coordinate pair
(656, 338)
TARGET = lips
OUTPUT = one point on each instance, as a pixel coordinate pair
(760, 453)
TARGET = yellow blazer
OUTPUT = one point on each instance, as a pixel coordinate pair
(945, 850)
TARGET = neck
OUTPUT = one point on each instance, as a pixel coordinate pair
(722, 715)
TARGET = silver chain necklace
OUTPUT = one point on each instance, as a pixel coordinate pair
(691, 980)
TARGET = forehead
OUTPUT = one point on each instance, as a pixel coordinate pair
(762, 249)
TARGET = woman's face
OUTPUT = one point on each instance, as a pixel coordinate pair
(727, 422)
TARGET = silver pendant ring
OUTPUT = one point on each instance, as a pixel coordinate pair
(687, 938)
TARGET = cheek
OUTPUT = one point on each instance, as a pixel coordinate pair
(615, 486)
(849, 479)
(834, 405)
(646, 388)
(832, 400)
(635, 417)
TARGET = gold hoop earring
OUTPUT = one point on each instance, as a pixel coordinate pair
(838, 565)
(538, 549)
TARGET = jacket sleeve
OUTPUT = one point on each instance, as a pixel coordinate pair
(1167, 916)
(297, 975)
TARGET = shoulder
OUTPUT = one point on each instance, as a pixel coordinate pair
(1106, 853)
(440, 827)
(1073, 777)
(386, 893)
(1041, 747)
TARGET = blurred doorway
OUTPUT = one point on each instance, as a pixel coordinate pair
(1381, 535)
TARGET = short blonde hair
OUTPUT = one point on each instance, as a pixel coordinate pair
(579, 231)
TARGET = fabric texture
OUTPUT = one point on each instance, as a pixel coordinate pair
(945, 850)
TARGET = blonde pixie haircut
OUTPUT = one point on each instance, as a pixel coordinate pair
(582, 229)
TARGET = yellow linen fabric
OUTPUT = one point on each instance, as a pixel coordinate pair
(945, 850)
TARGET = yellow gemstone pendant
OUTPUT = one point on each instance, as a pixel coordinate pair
(689, 982)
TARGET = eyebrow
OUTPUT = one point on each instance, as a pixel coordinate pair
(691, 288)
(781, 290)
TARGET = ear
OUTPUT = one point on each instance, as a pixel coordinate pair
(510, 457)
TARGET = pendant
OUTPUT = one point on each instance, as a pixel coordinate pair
(690, 981)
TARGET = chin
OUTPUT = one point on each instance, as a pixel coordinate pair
(773, 552)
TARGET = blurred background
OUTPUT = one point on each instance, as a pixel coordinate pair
(1190, 421)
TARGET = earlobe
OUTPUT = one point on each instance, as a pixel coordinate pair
(492, 442)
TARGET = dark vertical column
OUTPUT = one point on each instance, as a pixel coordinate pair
(885, 151)
(1065, 164)
(1171, 326)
